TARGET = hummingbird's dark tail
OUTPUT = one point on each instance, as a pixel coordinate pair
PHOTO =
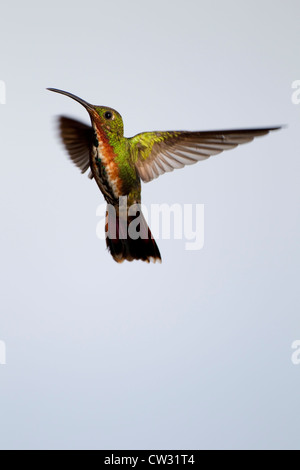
(129, 238)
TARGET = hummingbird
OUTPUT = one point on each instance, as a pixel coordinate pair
(118, 164)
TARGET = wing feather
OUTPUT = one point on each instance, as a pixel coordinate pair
(76, 137)
(155, 153)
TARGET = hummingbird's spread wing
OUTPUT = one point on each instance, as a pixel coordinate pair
(77, 138)
(155, 153)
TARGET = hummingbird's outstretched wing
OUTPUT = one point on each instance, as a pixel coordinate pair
(155, 153)
(77, 138)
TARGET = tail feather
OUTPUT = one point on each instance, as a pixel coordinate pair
(124, 245)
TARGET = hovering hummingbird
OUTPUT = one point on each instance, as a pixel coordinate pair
(118, 164)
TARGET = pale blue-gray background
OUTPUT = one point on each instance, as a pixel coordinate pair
(195, 353)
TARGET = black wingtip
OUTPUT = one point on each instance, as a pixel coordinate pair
(277, 128)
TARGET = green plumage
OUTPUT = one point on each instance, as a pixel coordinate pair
(118, 164)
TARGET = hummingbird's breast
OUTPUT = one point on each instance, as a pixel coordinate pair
(105, 168)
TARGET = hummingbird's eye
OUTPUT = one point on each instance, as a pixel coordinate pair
(108, 115)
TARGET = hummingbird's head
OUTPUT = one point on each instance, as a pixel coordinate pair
(108, 119)
(102, 117)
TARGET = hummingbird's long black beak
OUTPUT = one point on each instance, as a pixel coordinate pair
(87, 105)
